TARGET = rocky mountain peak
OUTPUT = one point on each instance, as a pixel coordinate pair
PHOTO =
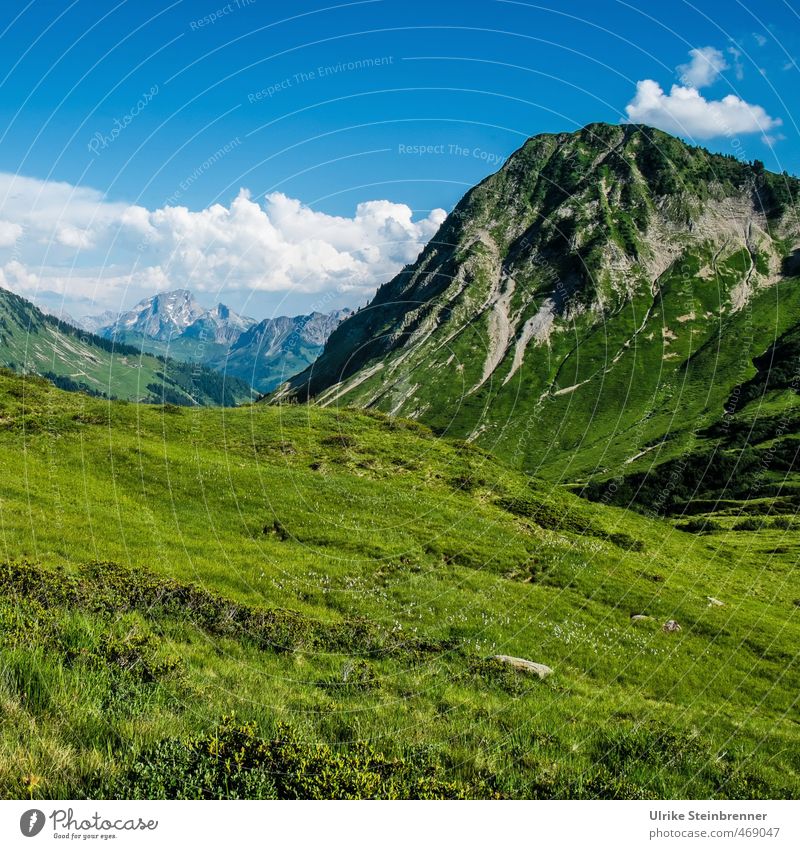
(575, 244)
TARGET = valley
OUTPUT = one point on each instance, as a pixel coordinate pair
(166, 349)
(77, 360)
(523, 527)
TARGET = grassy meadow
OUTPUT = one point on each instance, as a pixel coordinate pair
(289, 602)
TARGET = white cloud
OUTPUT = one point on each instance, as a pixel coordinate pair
(771, 139)
(705, 67)
(9, 233)
(761, 40)
(14, 275)
(738, 67)
(71, 241)
(685, 111)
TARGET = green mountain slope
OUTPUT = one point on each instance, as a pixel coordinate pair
(339, 581)
(605, 290)
(746, 462)
(33, 342)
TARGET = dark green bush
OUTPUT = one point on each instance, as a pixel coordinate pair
(135, 653)
(235, 762)
(555, 518)
(699, 526)
(112, 590)
(749, 524)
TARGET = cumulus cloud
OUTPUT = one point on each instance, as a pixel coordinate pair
(771, 140)
(68, 240)
(685, 111)
(14, 275)
(705, 67)
(9, 233)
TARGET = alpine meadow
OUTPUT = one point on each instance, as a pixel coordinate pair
(473, 475)
(270, 587)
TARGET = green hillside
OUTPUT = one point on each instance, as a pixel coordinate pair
(335, 582)
(33, 342)
(604, 292)
(183, 349)
(744, 463)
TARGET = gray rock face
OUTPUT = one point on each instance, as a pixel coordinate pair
(160, 317)
(96, 323)
(220, 324)
(272, 334)
(524, 665)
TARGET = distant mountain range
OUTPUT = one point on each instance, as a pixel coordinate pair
(262, 353)
(169, 315)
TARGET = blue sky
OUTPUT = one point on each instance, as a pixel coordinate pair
(208, 98)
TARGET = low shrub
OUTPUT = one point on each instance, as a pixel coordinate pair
(749, 524)
(109, 589)
(700, 526)
(235, 762)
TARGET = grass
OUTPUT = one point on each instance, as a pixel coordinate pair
(288, 601)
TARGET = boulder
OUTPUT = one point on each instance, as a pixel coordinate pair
(524, 665)
(640, 617)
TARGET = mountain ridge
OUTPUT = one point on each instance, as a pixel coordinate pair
(169, 314)
(566, 297)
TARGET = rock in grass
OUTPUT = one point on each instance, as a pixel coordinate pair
(714, 602)
(640, 617)
(670, 626)
(276, 529)
(524, 665)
